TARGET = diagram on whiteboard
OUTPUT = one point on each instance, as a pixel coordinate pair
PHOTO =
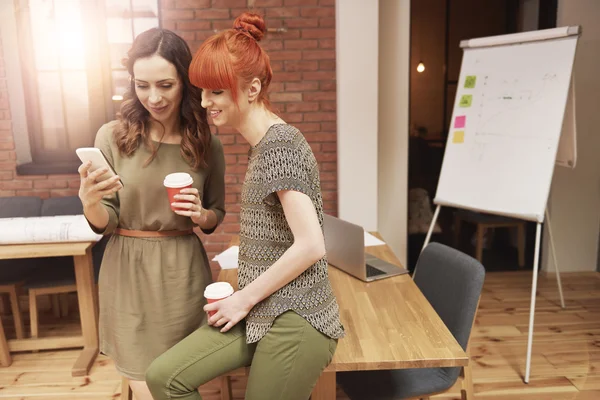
(510, 107)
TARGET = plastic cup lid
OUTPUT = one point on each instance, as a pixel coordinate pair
(178, 179)
(218, 290)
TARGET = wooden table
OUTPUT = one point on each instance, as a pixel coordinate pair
(389, 325)
(88, 304)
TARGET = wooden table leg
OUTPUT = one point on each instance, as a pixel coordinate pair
(5, 358)
(88, 312)
(126, 393)
(325, 387)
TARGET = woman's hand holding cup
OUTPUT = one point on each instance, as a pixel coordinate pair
(183, 198)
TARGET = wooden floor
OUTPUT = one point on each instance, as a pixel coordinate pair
(566, 351)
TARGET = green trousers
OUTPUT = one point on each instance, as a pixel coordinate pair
(286, 362)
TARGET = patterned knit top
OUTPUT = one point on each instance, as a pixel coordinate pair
(282, 160)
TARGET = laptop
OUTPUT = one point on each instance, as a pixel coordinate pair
(345, 247)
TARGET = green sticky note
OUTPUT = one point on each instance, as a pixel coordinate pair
(465, 100)
(470, 81)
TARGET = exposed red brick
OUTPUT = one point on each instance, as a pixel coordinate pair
(211, 13)
(301, 107)
(327, 86)
(327, 43)
(300, 2)
(193, 25)
(318, 96)
(319, 33)
(272, 45)
(14, 185)
(301, 44)
(328, 106)
(285, 55)
(51, 184)
(229, 3)
(302, 23)
(319, 75)
(268, 3)
(191, 3)
(314, 12)
(282, 12)
(291, 66)
(318, 55)
(286, 97)
(176, 15)
(43, 194)
(327, 65)
(327, 22)
(302, 86)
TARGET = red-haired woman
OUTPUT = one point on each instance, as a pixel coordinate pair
(154, 268)
(284, 320)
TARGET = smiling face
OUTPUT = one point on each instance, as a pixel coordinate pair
(158, 87)
(222, 108)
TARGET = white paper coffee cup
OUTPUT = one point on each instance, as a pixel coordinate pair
(217, 291)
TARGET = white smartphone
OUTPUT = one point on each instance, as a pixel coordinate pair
(98, 160)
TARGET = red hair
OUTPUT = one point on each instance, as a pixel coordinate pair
(233, 58)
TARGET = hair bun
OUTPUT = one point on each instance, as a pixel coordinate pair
(252, 23)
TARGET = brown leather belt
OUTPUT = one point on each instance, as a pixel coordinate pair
(151, 234)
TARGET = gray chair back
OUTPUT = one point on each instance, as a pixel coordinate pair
(68, 205)
(20, 206)
(452, 282)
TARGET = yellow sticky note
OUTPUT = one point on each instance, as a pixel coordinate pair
(458, 137)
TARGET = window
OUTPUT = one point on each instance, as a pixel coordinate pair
(73, 79)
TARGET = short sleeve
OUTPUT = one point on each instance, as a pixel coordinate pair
(289, 166)
(214, 187)
(103, 141)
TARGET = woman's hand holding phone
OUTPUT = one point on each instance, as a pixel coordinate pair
(90, 190)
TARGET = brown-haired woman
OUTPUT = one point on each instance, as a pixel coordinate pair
(154, 268)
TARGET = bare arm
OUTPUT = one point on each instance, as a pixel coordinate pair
(97, 215)
(308, 248)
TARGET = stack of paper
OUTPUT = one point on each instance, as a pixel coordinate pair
(51, 229)
(371, 240)
(229, 258)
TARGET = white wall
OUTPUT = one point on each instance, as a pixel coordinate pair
(394, 78)
(357, 33)
(574, 202)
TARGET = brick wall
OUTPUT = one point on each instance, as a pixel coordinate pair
(303, 90)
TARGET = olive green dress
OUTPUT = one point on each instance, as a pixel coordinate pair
(151, 289)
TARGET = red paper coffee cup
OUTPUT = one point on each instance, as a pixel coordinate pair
(217, 291)
(174, 183)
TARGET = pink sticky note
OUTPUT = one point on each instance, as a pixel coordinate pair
(459, 122)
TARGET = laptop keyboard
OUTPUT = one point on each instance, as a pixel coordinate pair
(372, 271)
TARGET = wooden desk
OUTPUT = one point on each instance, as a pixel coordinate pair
(389, 325)
(86, 294)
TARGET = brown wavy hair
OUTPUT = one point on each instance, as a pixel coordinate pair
(133, 128)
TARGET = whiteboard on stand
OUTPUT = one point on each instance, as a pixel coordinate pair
(507, 121)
